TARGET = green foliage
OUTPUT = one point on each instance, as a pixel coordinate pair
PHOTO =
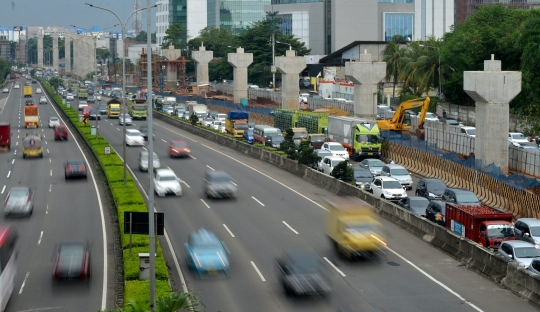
(214, 39)
(89, 76)
(176, 35)
(55, 82)
(343, 172)
(193, 119)
(5, 69)
(102, 54)
(142, 37)
(288, 145)
(138, 292)
(306, 155)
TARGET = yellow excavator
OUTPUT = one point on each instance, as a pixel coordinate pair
(401, 122)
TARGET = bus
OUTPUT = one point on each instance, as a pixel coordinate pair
(8, 264)
(138, 108)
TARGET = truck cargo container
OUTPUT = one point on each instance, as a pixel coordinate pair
(5, 136)
(485, 225)
(285, 119)
(27, 91)
(31, 116)
(200, 110)
(236, 123)
(360, 137)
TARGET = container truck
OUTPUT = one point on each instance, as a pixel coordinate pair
(236, 123)
(5, 137)
(83, 91)
(200, 110)
(314, 122)
(31, 116)
(485, 225)
(12, 75)
(360, 137)
(27, 91)
(353, 227)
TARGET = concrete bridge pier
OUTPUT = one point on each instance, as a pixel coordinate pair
(240, 62)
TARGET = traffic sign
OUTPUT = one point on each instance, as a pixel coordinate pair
(107, 150)
(85, 121)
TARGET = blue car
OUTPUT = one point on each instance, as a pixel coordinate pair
(207, 255)
(248, 135)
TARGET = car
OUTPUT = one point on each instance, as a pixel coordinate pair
(450, 121)
(430, 188)
(180, 112)
(529, 147)
(39, 91)
(125, 118)
(399, 173)
(415, 204)
(72, 261)
(362, 178)
(274, 141)
(91, 99)
(53, 121)
(535, 266)
(102, 108)
(98, 97)
(5, 90)
(387, 188)
(248, 134)
(169, 110)
(460, 196)
(222, 128)
(19, 201)
(75, 168)
(528, 229)
(43, 100)
(207, 256)
(29, 102)
(144, 131)
(321, 153)
(218, 184)
(436, 212)
(336, 149)
(178, 148)
(329, 162)
(468, 131)
(16, 86)
(186, 115)
(381, 109)
(82, 104)
(94, 115)
(70, 97)
(206, 121)
(166, 182)
(517, 137)
(519, 251)
(134, 137)
(431, 117)
(373, 165)
(143, 161)
(34, 81)
(216, 123)
(60, 132)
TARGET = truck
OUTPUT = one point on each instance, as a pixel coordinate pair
(106, 87)
(83, 91)
(200, 110)
(31, 116)
(138, 109)
(12, 75)
(74, 86)
(353, 228)
(113, 108)
(27, 91)
(314, 122)
(5, 136)
(401, 120)
(236, 123)
(485, 225)
(32, 145)
(360, 137)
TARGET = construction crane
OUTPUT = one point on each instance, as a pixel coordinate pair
(402, 120)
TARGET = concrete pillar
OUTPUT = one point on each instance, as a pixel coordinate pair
(171, 78)
(365, 75)
(40, 49)
(55, 51)
(492, 90)
(67, 41)
(202, 58)
(290, 67)
(240, 62)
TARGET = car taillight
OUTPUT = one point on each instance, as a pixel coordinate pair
(28, 199)
(68, 168)
(82, 168)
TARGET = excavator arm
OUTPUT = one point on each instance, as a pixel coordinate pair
(397, 123)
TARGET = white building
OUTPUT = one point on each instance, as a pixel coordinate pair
(162, 20)
(432, 18)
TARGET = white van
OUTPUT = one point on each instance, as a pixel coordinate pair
(261, 132)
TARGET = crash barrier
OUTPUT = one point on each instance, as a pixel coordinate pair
(314, 104)
(517, 180)
(454, 173)
(499, 269)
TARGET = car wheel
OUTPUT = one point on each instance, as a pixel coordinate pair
(416, 193)
(23, 156)
(371, 191)
(382, 196)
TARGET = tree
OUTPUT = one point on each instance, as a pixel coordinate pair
(141, 36)
(102, 54)
(214, 39)
(306, 155)
(56, 82)
(288, 145)
(193, 119)
(392, 55)
(343, 171)
(176, 35)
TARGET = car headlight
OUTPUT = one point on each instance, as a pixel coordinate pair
(432, 195)
(522, 265)
(386, 192)
(188, 150)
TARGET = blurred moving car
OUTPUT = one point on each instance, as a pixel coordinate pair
(415, 204)
(75, 168)
(178, 148)
(519, 251)
(301, 272)
(362, 178)
(72, 261)
(5, 90)
(430, 188)
(42, 99)
(125, 118)
(60, 132)
(19, 202)
(39, 91)
(54, 121)
(94, 115)
(134, 137)
(166, 182)
(16, 86)
(218, 184)
(143, 161)
(373, 165)
(206, 254)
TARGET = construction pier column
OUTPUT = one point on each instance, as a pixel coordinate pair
(240, 62)
(290, 66)
(67, 41)
(55, 51)
(202, 58)
(40, 49)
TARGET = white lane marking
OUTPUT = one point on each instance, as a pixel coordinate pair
(144, 148)
(24, 282)
(51, 172)
(50, 160)
(192, 157)
(15, 152)
(186, 184)
(40, 237)
(257, 201)
(3, 189)
(111, 123)
(13, 161)
(205, 203)
(163, 140)
(435, 280)
(258, 272)
(47, 210)
(45, 142)
(9, 173)
(210, 168)
(16, 143)
(47, 151)
(226, 228)
(338, 270)
(290, 227)
(50, 188)
(234, 184)
(18, 136)
(118, 129)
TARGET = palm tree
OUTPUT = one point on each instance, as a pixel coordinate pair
(176, 301)
(392, 55)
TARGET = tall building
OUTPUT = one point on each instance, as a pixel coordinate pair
(235, 15)
(465, 8)
(162, 20)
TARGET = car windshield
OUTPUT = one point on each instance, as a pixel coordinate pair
(279, 139)
(359, 229)
(517, 136)
(220, 178)
(53, 119)
(336, 147)
(74, 162)
(399, 172)
(139, 107)
(535, 231)
(143, 128)
(300, 134)
(134, 133)
(71, 256)
(144, 156)
(375, 164)
(452, 122)
(500, 230)
(167, 178)
(318, 138)
(178, 144)
(362, 174)
(384, 108)
(436, 186)
(336, 162)
(419, 202)
(101, 106)
(526, 252)
(324, 153)
(115, 109)
(392, 185)
(18, 193)
(430, 115)
(369, 138)
(467, 198)
(471, 131)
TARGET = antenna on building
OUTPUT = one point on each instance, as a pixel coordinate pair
(137, 20)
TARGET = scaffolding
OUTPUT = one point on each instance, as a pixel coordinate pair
(167, 75)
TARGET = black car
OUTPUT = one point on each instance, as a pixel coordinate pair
(72, 261)
(430, 188)
(460, 196)
(362, 177)
(75, 168)
(435, 212)
(274, 141)
(94, 115)
(415, 204)
(144, 131)
(449, 121)
(30, 102)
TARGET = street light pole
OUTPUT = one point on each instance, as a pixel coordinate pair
(123, 75)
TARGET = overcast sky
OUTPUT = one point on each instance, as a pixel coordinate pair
(64, 13)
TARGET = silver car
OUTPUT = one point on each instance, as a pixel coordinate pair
(125, 118)
(53, 121)
(166, 182)
(19, 202)
(373, 165)
(218, 184)
(134, 137)
(519, 251)
(143, 161)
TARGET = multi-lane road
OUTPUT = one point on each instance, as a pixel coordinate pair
(63, 211)
(276, 210)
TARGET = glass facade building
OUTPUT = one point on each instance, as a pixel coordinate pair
(293, 1)
(395, 1)
(398, 24)
(237, 15)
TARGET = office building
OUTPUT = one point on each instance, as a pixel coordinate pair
(235, 15)
(465, 8)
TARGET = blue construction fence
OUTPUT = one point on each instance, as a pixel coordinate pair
(230, 105)
(517, 180)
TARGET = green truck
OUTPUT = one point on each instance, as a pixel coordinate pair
(361, 137)
(138, 109)
(314, 122)
(83, 91)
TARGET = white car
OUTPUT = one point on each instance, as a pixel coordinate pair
(43, 100)
(221, 117)
(327, 164)
(53, 121)
(222, 128)
(431, 117)
(469, 131)
(98, 97)
(69, 97)
(39, 91)
(134, 137)
(5, 90)
(16, 86)
(215, 124)
(387, 188)
(125, 118)
(336, 149)
(207, 121)
(166, 182)
(517, 138)
(82, 104)
(303, 97)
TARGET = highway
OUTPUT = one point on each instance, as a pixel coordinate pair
(275, 210)
(63, 211)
